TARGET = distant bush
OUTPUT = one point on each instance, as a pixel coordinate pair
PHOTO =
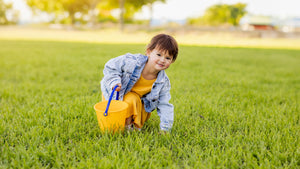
(221, 14)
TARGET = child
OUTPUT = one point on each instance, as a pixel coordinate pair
(143, 83)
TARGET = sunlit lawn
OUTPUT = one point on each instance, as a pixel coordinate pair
(133, 36)
(234, 108)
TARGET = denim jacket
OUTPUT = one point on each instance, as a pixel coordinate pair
(127, 69)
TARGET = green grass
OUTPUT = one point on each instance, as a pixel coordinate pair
(234, 108)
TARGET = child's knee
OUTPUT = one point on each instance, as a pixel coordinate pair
(131, 96)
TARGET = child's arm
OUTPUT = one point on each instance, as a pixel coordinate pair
(113, 72)
(165, 110)
(112, 75)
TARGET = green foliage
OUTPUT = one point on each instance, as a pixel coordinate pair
(234, 108)
(60, 7)
(127, 8)
(130, 7)
(223, 14)
(87, 7)
(50, 6)
(4, 8)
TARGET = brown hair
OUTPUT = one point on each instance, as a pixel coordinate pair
(166, 43)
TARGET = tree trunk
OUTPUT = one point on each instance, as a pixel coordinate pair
(94, 13)
(122, 9)
(151, 15)
(72, 17)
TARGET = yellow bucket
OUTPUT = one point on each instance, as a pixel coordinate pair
(111, 114)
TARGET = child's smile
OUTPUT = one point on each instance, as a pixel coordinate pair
(159, 60)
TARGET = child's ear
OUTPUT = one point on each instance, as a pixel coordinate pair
(148, 52)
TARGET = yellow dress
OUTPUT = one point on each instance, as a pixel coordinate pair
(135, 106)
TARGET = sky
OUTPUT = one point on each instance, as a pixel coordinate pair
(181, 9)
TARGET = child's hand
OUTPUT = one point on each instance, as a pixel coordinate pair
(118, 88)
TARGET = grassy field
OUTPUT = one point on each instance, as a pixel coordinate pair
(114, 36)
(234, 108)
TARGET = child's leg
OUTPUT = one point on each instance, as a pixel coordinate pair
(145, 116)
(136, 112)
(128, 120)
(133, 100)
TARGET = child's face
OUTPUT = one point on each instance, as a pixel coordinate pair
(158, 59)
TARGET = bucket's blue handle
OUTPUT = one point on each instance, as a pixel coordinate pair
(110, 98)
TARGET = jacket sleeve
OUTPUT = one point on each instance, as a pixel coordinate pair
(165, 110)
(112, 73)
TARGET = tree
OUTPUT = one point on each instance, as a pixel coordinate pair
(237, 11)
(58, 7)
(150, 5)
(4, 9)
(127, 8)
(221, 14)
(71, 8)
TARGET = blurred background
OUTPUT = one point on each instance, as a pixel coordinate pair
(227, 18)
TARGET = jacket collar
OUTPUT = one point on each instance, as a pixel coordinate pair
(142, 60)
(161, 77)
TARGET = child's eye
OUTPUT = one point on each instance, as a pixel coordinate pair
(168, 58)
(158, 54)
